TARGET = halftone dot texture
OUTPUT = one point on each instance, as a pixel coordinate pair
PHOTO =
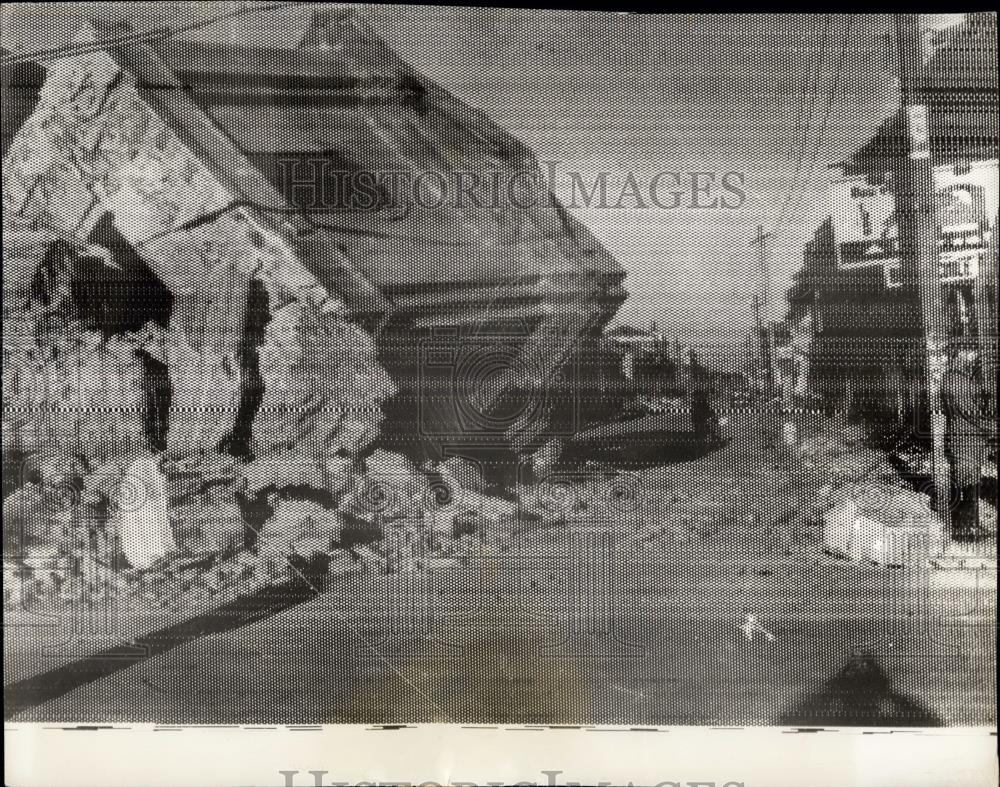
(409, 364)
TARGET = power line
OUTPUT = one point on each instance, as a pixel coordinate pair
(808, 180)
(827, 19)
(827, 110)
(156, 34)
(797, 129)
(808, 123)
(800, 105)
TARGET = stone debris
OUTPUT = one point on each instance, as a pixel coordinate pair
(27, 521)
(546, 458)
(879, 523)
(462, 475)
(141, 521)
(300, 527)
(197, 404)
(391, 488)
(864, 509)
(169, 533)
(842, 460)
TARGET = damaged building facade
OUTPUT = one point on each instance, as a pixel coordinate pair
(866, 343)
(170, 297)
(864, 327)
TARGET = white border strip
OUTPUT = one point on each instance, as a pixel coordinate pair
(151, 756)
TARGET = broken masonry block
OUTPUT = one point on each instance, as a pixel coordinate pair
(141, 520)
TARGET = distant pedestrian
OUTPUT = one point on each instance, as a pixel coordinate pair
(704, 420)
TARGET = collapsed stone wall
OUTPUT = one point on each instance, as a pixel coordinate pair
(175, 378)
(146, 314)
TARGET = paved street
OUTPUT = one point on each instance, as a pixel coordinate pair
(531, 632)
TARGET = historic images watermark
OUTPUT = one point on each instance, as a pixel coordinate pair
(319, 778)
(315, 184)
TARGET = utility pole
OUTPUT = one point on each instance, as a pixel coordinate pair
(915, 208)
(756, 356)
(986, 321)
(763, 304)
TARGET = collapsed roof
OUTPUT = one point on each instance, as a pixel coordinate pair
(262, 121)
(345, 103)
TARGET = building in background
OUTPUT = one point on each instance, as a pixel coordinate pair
(654, 367)
(865, 351)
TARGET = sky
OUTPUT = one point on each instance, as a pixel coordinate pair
(775, 97)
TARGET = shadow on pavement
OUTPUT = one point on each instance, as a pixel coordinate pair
(861, 694)
(24, 694)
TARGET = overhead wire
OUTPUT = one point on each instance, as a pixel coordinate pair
(834, 90)
(156, 34)
(799, 188)
(808, 122)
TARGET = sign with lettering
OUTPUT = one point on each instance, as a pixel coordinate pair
(863, 211)
(966, 207)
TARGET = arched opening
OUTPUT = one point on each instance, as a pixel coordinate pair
(112, 291)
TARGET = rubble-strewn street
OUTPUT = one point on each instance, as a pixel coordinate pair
(731, 591)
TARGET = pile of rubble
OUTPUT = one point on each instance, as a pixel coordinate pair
(878, 522)
(177, 527)
(688, 510)
(168, 535)
(143, 444)
(842, 456)
(188, 411)
(865, 509)
(173, 463)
